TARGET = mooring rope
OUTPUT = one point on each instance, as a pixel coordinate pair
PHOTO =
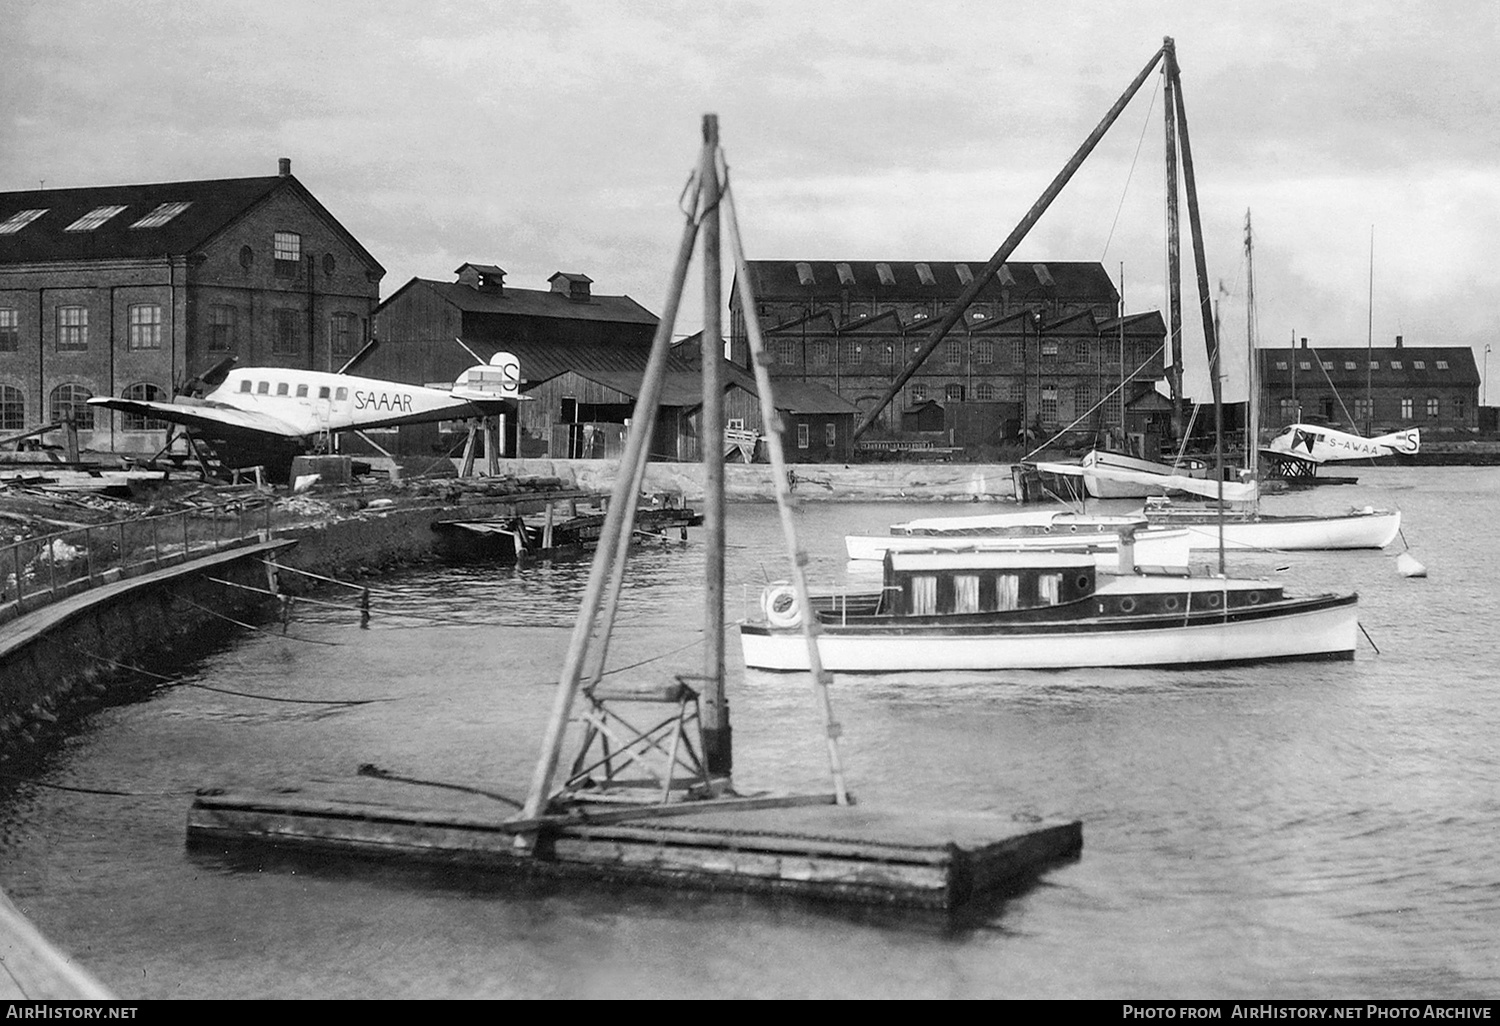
(251, 626)
(368, 769)
(167, 682)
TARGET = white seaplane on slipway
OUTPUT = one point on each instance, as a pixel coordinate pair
(1313, 443)
(266, 416)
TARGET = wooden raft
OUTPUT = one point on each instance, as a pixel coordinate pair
(803, 845)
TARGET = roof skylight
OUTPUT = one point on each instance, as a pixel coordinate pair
(93, 219)
(20, 220)
(162, 214)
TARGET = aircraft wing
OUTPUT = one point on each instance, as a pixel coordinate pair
(206, 417)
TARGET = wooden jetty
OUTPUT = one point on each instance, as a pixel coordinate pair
(563, 526)
(802, 845)
(658, 804)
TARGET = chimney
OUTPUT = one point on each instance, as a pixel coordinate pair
(1398, 341)
(284, 167)
(1304, 343)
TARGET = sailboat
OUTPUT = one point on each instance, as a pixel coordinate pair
(1237, 522)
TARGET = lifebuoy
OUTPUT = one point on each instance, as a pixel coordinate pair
(779, 604)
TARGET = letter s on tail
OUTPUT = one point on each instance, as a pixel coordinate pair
(1407, 442)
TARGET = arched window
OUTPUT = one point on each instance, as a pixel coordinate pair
(137, 421)
(12, 409)
(70, 402)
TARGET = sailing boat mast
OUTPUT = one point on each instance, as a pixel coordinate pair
(1370, 342)
(1173, 352)
(1252, 386)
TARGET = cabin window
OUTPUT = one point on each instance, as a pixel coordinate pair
(282, 388)
(245, 385)
(72, 328)
(263, 388)
(220, 329)
(71, 402)
(12, 408)
(340, 395)
(966, 593)
(301, 391)
(1007, 592)
(921, 595)
(10, 329)
(322, 391)
(139, 422)
(1049, 589)
(145, 326)
(803, 439)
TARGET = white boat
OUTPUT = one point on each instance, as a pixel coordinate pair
(1046, 610)
(1147, 477)
(1366, 528)
(1061, 532)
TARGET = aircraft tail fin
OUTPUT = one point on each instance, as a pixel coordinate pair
(1403, 442)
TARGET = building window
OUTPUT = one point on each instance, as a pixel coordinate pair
(1350, 365)
(71, 403)
(1406, 405)
(1395, 365)
(162, 214)
(221, 329)
(137, 421)
(887, 356)
(846, 276)
(805, 274)
(1017, 390)
(288, 338)
(1419, 364)
(341, 334)
(924, 275)
(1049, 404)
(1288, 411)
(288, 253)
(830, 435)
(803, 437)
(786, 352)
(953, 353)
(953, 393)
(1328, 365)
(1442, 365)
(984, 392)
(820, 354)
(858, 311)
(328, 264)
(883, 271)
(1363, 410)
(72, 328)
(20, 220)
(1374, 364)
(1281, 365)
(145, 326)
(1049, 348)
(984, 351)
(12, 409)
(1432, 407)
(1460, 410)
(965, 276)
(1303, 365)
(918, 393)
(247, 257)
(93, 219)
(10, 329)
(919, 315)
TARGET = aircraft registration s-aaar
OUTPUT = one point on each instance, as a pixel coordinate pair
(1312, 443)
(267, 415)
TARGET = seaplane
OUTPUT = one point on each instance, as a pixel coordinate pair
(266, 416)
(1299, 450)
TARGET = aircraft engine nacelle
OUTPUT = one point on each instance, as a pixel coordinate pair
(498, 379)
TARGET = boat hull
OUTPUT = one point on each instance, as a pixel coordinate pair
(1102, 487)
(1321, 628)
(1356, 531)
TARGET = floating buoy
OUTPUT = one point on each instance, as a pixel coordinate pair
(1408, 566)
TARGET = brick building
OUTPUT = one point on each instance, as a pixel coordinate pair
(553, 332)
(1042, 345)
(1375, 390)
(130, 290)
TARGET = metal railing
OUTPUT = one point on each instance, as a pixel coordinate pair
(37, 571)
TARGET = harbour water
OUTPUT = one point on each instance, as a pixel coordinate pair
(1295, 831)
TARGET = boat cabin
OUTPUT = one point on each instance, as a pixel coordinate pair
(938, 583)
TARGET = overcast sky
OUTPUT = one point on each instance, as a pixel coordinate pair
(557, 135)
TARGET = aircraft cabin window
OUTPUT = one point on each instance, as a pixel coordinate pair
(263, 388)
(301, 391)
(282, 388)
(245, 386)
(341, 395)
(323, 392)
